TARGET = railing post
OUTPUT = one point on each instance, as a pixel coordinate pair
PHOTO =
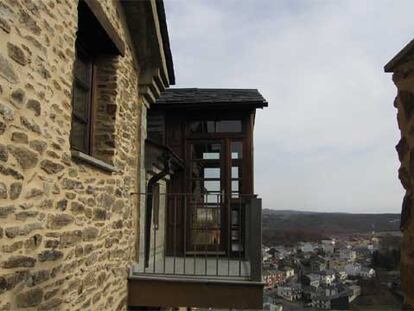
(254, 239)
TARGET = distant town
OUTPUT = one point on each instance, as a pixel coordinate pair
(346, 272)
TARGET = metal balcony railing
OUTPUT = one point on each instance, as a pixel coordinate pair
(207, 235)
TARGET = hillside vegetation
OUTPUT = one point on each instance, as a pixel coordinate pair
(293, 226)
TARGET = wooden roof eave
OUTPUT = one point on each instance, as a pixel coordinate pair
(211, 105)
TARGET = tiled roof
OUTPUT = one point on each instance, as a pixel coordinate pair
(185, 96)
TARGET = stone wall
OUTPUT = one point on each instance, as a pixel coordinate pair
(68, 230)
(403, 78)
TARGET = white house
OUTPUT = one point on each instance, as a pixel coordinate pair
(313, 279)
(352, 269)
(328, 246)
(347, 254)
(268, 306)
(367, 272)
(290, 292)
(307, 247)
(356, 269)
(328, 277)
(289, 272)
(342, 275)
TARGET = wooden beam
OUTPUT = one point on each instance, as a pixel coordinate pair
(164, 292)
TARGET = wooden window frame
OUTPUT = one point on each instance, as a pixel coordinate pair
(95, 36)
(230, 203)
(82, 50)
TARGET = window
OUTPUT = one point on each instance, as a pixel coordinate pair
(82, 100)
(205, 151)
(97, 45)
(236, 150)
(220, 126)
(236, 156)
(228, 126)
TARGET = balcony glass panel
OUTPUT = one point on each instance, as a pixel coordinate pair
(205, 151)
(228, 126)
(235, 185)
(211, 172)
(198, 127)
(205, 170)
(236, 150)
(212, 186)
(235, 172)
(220, 126)
(206, 218)
(204, 242)
(213, 198)
(206, 238)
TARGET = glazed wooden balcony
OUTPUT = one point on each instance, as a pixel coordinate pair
(222, 270)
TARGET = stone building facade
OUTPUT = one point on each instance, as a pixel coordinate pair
(402, 67)
(69, 219)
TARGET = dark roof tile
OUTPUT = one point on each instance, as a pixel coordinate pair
(183, 96)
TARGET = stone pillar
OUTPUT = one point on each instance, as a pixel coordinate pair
(403, 78)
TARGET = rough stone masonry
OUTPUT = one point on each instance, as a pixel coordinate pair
(402, 66)
(68, 230)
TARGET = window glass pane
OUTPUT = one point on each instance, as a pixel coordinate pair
(228, 126)
(199, 186)
(222, 126)
(78, 136)
(234, 172)
(211, 127)
(204, 217)
(212, 198)
(212, 185)
(234, 217)
(206, 151)
(236, 244)
(234, 235)
(236, 150)
(202, 127)
(236, 247)
(212, 172)
(208, 237)
(196, 127)
(204, 169)
(211, 155)
(235, 186)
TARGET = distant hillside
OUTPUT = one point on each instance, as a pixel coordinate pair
(292, 226)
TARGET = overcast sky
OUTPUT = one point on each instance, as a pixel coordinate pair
(326, 141)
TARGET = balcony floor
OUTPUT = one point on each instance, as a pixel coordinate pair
(210, 267)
